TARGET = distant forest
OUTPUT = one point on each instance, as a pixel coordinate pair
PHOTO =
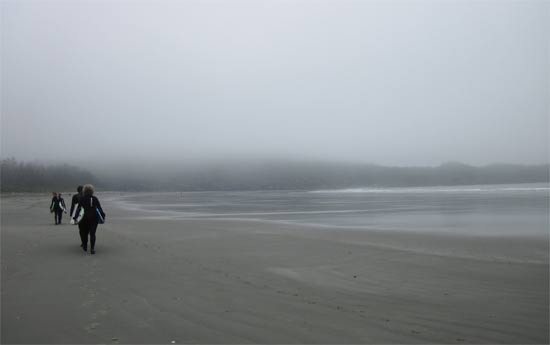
(35, 177)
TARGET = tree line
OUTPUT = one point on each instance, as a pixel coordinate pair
(36, 177)
(268, 175)
(313, 176)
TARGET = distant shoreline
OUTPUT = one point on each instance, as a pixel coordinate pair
(267, 175)
(372, 189)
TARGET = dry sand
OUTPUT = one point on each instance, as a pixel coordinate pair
(232, 281)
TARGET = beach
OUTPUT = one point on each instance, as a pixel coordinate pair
(169, 280)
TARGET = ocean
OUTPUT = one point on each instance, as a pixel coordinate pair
(484, 210)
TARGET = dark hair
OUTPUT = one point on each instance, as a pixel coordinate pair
(79, 189)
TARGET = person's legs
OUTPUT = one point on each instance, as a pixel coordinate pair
(93, 228)
(58, 214)
(83, 230)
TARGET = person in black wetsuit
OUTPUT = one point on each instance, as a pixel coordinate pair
(74, 203)
(52, 204)
(57, 207)
(92, 211)
(62, 207)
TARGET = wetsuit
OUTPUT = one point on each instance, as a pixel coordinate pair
(57, 206)
(74, 204)
(88, 224)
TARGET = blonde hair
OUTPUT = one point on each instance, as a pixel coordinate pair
(88, 189)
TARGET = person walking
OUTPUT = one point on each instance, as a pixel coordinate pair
(52, 204)
(57, 207)
(93, 215)
(74, 204)
(61, 208)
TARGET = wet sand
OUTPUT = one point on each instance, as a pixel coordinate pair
(234, 281)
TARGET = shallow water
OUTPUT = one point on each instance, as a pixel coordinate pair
(521, 209)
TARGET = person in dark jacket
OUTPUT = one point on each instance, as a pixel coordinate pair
(57, 207)
(54, 200)
(92, 213)
(74, 203)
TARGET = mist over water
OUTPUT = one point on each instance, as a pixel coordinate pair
(264, 95)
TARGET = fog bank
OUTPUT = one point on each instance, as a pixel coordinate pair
(388, 82)
(258, 175)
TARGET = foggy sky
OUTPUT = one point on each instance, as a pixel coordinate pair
(396, 83)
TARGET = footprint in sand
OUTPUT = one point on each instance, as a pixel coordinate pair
(104, 310)
(88, 303)
(91, 327)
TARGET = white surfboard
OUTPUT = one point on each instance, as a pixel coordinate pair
(79, 216)
(73, 213)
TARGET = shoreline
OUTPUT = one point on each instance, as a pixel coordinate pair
(489, 246)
